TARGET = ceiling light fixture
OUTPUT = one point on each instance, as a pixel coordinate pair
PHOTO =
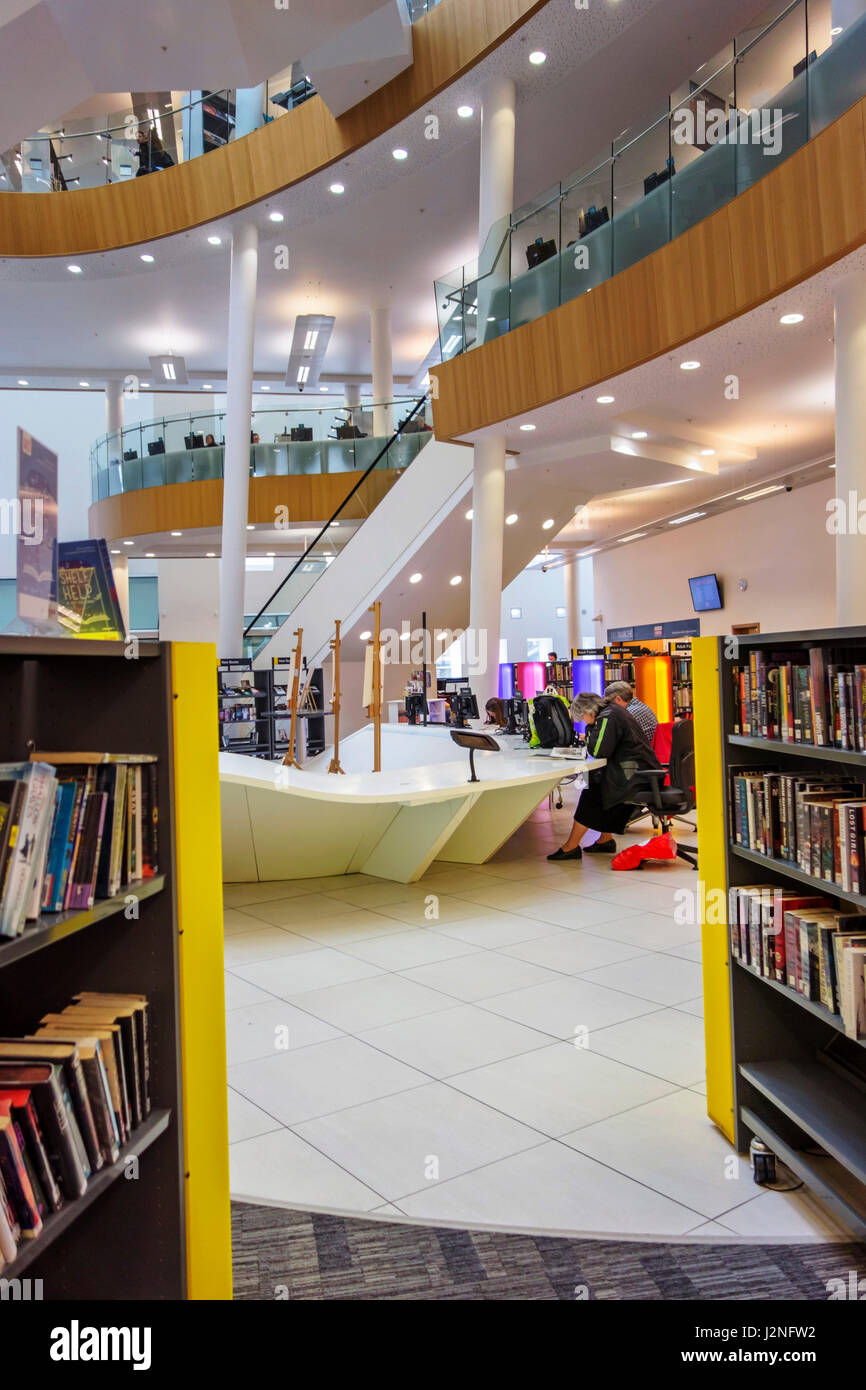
(250, 526)
(74, 269)
(323, 388)
(266, 388)
(400, 153)
(465, 112)
(337, 188)
(707, 453)
(511, 518)
(149, 555)
(639, 434)
(792, 318)
(129, 542)
(834, 32)
(215, 240)
(624, 540)
(527, 428)
(457, 579)
(147, 258)
(689, 366)
(84, 383)
(23, 383)
(548, 525)
(206, 386)
(695, 467)
(415, 578)
(170, 368)
(310, 339)
(365, 636)
(116, 552)
(761, 492)
(177, 533)
(275, 217)
(605, 400)
(210, 555)
(537, 58)
(692, 516)
(470, 514)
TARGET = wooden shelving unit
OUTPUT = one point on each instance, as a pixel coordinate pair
(799, 1083)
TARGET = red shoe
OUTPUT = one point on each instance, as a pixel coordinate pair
(659, 847)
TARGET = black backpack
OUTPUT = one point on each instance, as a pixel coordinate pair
(551, 722)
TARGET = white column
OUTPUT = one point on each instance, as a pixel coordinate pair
(850, 475)
(114, 418)
(485, 596)
(353, 396)
(236, 468)
(496, 188)
(572, 604)
(383, 371)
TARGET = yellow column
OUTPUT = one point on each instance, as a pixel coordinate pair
(198, 870)
(712, 834)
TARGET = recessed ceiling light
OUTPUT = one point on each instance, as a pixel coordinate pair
(465, 112)
(639, 434)
(605, 400)
(624, 540)
(457, 579)
(415, 578)
(145, 385)
(206, 386)
(470, 514)
(692, 516)
(527, 428)
(548, 525)
(275, 217)
(129, 542)
(250, 526)
(148, 259)
(365, 636)
(22, 382)
(84, 383)
(74, 269)
(270, 554)
(215, 240)
(511, 518)
(117, 552)
(689, 366)
(337, 188)
(149, 555)
(266, 388)
(837, 30)
(707, 453)
(537, 57)
(400, 153)
(210, 555)
(792, 318)
(761, 492)
(323, 388)
(177, 533)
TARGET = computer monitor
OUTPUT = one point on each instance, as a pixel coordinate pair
(540, 250)
(706, 593)
(301, 434)
(156, 446)
(129, 454)
(197, 441)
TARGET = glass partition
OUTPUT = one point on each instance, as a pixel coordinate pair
(754, 103)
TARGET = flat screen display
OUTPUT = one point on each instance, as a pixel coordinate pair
(706, 594)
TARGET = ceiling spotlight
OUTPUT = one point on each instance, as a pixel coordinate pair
(707, 453)
(23, 383)
(537, 58)
(400, 153)
(605, 400)
(323, 388)
(639, 434)
(834, 32)
(761, 492)
(215, 240)
(270, 554)
(177, 533)
(84, 383)
(148, 259)
(337, 188)
(275, 217)
(415, 578)
(145, 385)
(458, 579)
(149, 555)
(548, 525)
(266, 388)
(116, 552)
(365, 636)
(511, 518)
(465, 112)
(210, 555)
(689, 366)
(470, 514)
(250, 526)
(791, 318)
(129, 542)
(206, 386)
(692, 516)
(527, 428)
(74, 269)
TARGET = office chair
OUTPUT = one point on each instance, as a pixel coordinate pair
(668, 803)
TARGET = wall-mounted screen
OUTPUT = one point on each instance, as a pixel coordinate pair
(706, 594)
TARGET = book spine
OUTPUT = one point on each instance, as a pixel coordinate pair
(819, 703)
(19, 874)
(791, 932)
(36, 1145)
(18, 1184)
(58, 1126)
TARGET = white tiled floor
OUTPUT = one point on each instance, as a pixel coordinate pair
(531, 1057)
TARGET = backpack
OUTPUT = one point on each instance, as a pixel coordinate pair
(550, 721)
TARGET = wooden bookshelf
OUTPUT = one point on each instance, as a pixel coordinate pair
(164, 1233)
(798, 1081)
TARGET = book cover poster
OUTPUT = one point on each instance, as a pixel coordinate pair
(36, 521)
(87, 602)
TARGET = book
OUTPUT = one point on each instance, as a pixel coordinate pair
(96, 1078)
(47, 1086)
(86, 592)
(26, 820)
(83, 1127)
(10, 1231)
(21, 1106)
(850, 953)
(17, 1182)
(64, 1026)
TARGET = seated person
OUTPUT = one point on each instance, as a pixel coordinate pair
(623, 694)
(209, 442)
(256, 439)
(607, 803)
(495, 712)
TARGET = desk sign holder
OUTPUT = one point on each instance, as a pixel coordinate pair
(290, 760)
(334, 764)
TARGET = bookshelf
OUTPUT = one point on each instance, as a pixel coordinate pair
(164, 1233)
(780, 1064)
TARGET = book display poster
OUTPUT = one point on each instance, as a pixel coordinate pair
(87, 603)
(37, 530)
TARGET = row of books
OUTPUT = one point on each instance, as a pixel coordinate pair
(71, 1094)
(73, 827)
(801, 698)
(805, 942)
(814, 820)
(241, 713)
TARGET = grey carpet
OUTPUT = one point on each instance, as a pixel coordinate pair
(305, 1255)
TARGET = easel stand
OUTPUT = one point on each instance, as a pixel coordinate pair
(334, 764)
(375, 709)
(290, 760)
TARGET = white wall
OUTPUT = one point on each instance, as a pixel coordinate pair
(779, 544)
(538, 595)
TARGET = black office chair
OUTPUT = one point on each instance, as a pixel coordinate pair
(666, 804)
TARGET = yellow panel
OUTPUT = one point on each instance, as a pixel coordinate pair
(198, 869)
(712, 832)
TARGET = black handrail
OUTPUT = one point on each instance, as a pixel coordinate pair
(393, 439)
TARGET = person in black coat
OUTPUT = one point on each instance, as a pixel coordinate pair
(613, 790)
(152, 155)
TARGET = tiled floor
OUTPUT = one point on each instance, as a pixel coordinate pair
(519, 1044)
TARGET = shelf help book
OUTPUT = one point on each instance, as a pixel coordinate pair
(71, 1095)
(74, 827)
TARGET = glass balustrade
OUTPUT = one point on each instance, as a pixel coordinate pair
(750, 106)
(316, 439)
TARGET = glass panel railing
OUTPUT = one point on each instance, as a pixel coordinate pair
(397, 451)
(319, 439)
(753, 104)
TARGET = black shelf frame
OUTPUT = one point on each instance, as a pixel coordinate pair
(799, 1080)
(54, 926)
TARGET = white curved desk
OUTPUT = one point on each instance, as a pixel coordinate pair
(283, 823)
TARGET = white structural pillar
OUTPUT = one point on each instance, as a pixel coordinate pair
(383, 371)
(572, 604)
(496, 191)
(236, 467)
(353, 395)
(850, 475)
(485, 596)
(114, 418)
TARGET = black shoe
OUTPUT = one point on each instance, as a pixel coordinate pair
(601, 847)
(567, 854)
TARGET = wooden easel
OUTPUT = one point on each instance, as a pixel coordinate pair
(290, 760)
(334, 764)
(375, 710)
